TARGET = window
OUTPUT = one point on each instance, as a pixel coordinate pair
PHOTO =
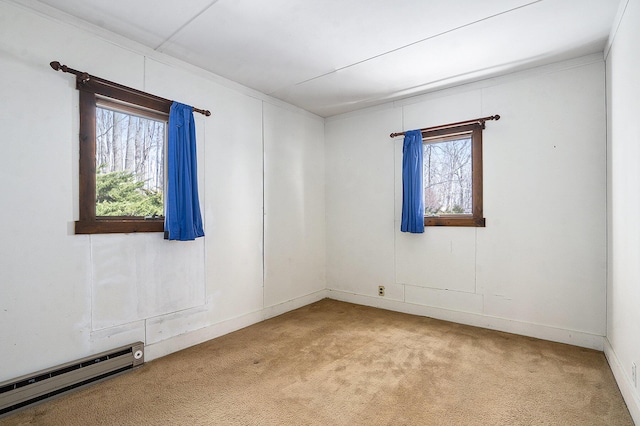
(123, 136)
(129, 162)
(452, 176)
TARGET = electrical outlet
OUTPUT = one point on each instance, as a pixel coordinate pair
(634, 376)
(380, 290)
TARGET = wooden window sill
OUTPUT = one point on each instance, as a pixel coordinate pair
(119, 226)
(454, 220)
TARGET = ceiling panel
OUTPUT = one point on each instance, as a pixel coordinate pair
(539, 35)
(290, 41)
(332, 56)
(146, 21)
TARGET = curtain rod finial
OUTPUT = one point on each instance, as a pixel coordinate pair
(497, 117)
(57, 66)
(207, 113)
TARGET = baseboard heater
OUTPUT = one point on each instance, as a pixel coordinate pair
(33, 388)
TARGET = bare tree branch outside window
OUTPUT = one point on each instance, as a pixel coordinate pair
(447, 173)
(129, 164)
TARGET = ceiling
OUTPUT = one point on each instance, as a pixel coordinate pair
(334, 56)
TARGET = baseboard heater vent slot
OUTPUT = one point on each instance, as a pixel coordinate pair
(27, 390)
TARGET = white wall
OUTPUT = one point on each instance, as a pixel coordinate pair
(65, 296)
(294, 206)
(539, 267)
(623, 290)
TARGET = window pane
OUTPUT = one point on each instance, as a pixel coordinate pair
(129, 164)
(447, 177)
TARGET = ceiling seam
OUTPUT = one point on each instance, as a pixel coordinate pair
(616, 25)
(173, 34)
(408, 45)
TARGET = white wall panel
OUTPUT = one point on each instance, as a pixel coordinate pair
(445, 299)
(543, 253)
(176, 323)
(234, 177)
(443, 258)
(108, 338)
(623, 290)
(360, 234)
(143, 276)
(294, 205)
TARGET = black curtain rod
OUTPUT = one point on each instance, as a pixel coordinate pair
(445, 126)
(84, 77)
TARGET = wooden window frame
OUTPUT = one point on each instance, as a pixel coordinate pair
(89, 91)
(476, 218)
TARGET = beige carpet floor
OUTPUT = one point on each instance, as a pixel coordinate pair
(335, 363)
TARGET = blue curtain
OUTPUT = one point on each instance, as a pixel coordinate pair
(183, 220)
(412, 189)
